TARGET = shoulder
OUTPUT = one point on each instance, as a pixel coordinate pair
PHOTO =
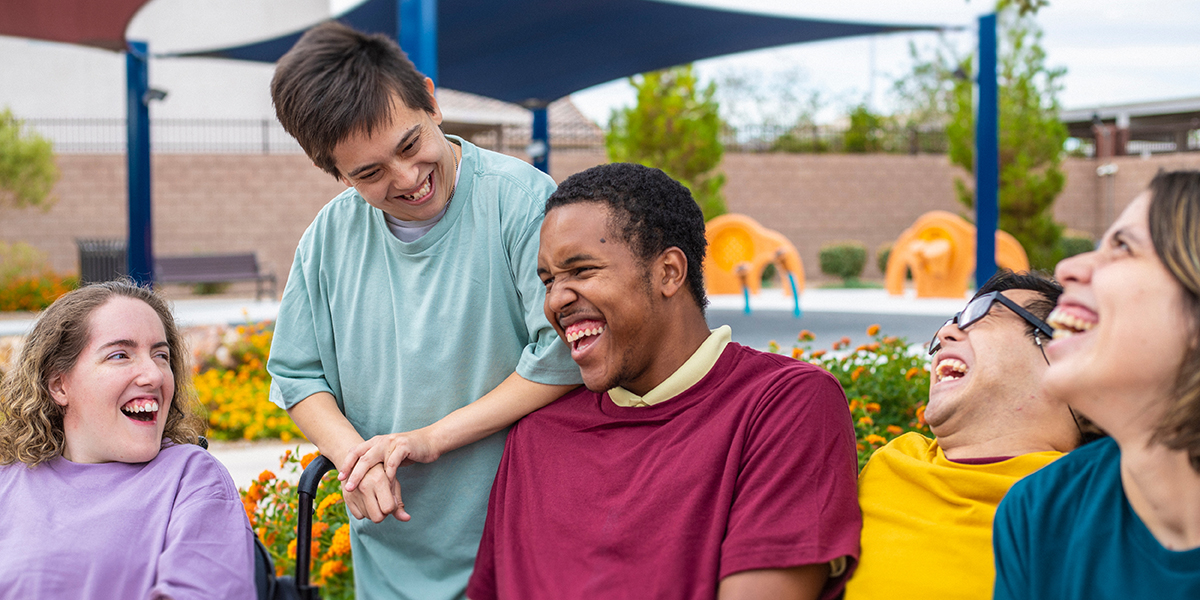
(774, 373)
(494, 172)
(344, 210)
(1063, 485)
(197, 470)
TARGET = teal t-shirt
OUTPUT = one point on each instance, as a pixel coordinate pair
(402, 334)
(1067, 532)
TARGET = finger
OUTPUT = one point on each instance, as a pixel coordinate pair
(364, 451)
(395, 458)
(360, 470)
(399, 513)
(384, 498)
(352, 502)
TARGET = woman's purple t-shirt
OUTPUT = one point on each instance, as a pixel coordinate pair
(170, 528)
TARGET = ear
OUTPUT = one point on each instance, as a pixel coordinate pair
(672, 271)
(437, 111)
(58, 390)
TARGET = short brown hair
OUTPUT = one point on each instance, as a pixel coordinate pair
(1175, 232)
(336, 82)
(31, 423)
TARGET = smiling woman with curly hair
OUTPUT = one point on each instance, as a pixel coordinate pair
(104, 490)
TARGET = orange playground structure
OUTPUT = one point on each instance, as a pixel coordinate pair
(739, 248)
(939, 250)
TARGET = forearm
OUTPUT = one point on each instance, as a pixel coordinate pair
(514, 398)
(319, 418)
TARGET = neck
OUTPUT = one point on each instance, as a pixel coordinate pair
(1164, 490)
(955, 447)
(679, 342)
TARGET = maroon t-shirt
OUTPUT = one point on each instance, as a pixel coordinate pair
(753, 467)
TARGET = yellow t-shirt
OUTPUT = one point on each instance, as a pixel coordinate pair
(927, 521)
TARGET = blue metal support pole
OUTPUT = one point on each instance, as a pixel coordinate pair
(987, 154)
(140, 246)
(539, 144)
(417, 34)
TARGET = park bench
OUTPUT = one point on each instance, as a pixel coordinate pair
(213, 268)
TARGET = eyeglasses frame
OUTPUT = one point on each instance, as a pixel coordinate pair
(992, 297)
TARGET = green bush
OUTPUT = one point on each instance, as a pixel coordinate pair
(881, 257)
(843, 259)
(26, 281)
(1070, 245)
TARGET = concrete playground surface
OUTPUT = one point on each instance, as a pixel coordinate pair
(246, 460)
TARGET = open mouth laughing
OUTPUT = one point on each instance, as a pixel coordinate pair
(949, 369)
(421, 192)
(1067, 322)
(582, 334)
(141, 410)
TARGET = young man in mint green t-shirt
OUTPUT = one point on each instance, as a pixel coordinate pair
(412, 316)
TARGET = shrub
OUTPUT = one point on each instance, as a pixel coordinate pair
(26, 281)
(844, 259)
(1070, 245)
(886, 384)
(881, 257)
(233, 385)
(271, 504)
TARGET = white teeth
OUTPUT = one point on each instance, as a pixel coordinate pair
(950, 368)
(152, 406)
(582, 333)
(1066, 325)
(421, 192)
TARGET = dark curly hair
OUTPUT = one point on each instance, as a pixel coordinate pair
(648, 211)
(336, 82)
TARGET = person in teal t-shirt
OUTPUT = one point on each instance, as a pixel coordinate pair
(1120, 518)
(412, 316)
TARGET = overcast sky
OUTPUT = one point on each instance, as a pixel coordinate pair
(1115, 51)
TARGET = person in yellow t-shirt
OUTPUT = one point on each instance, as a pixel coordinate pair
(928, 504)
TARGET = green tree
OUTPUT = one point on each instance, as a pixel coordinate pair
(674, 127)
(1031, 136)
(866, 131)
(27, 169)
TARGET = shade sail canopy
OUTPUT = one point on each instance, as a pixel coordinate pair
(99, 23)
(535, 51)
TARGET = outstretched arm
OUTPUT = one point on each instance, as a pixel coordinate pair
(514, 398)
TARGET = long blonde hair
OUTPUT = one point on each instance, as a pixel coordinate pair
(1175, 232)
(31, 423)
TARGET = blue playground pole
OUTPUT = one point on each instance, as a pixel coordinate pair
(417, 34)
(987, 155)
(140, 244)
(539, 143)
(746, 297)
(796, 312)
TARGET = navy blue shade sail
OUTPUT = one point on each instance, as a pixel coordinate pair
(532, 52)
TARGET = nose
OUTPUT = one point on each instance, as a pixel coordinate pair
(950, 332)
(406, 176)
(150, 373)
(1076, 269)
(559, 296)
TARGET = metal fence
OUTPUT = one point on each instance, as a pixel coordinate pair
(266, 136)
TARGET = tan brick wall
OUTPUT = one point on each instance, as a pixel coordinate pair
(230, 203)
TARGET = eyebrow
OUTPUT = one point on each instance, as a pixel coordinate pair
(132, 344)
(578, 258)
(403, 141)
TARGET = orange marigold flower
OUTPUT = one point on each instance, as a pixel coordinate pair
(307, 458)
(329, 500)
(861, 348)
(873, 346)
(890, 340)
(265, 476)
(857, 373)
(921, 415)
(283, 460)
(291, 551)
(913, 372)
(855, 405)
(331, 569)
(806, 336)
(837, 345)
(817, 353)
(797, 353)
(864, 420)
(340, 546)
(872, 407)
(860, 446)
(875, 439)
(319, 528)
(894, 429)
(873, 330)
(845, 341)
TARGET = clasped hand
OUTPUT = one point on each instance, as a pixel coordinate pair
(368, 473)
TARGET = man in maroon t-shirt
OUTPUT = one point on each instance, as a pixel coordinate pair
(690, 466)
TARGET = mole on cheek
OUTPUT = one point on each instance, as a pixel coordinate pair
(603, 241)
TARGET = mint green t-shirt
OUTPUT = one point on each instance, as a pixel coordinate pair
(402, 334)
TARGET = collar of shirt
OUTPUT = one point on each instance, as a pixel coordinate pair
(692, 371)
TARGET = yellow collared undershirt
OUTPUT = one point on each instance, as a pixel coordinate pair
(687, 375)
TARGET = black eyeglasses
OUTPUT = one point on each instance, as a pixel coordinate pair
(978, 308)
